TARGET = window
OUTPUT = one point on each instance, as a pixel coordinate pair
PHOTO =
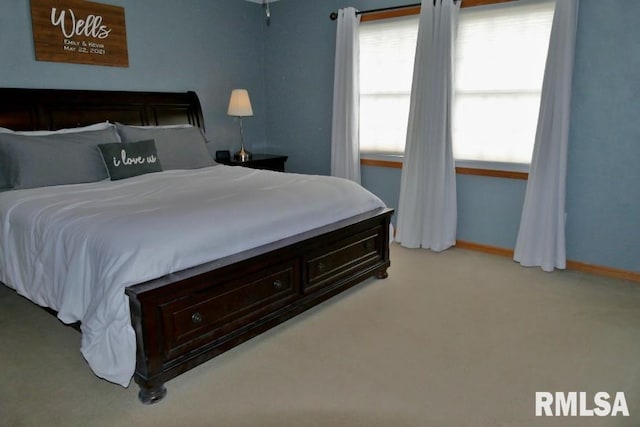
(499, 66)
(387, 49)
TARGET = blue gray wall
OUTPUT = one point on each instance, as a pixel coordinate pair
(210, 47)
(603, 188)
(603, 191)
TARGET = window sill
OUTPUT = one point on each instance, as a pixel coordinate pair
(463, 167)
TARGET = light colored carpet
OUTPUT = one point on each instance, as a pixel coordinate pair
(451, 339)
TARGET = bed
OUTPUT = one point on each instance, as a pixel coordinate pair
(199, 300)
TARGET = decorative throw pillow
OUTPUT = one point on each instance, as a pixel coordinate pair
(178, 147)
(28, 161)
(125, 160)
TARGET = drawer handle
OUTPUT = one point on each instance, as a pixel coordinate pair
(196, 318)
(277, 284)
(321, 267)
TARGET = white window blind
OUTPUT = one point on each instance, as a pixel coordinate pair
(499, 67)
(387, 50)
(500, 57)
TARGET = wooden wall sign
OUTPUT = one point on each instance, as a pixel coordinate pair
(80, 32)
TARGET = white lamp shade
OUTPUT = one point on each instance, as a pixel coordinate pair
(240, 104)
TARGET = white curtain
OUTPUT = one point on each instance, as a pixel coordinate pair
(541, 238)
(345, 142)
(427, 209)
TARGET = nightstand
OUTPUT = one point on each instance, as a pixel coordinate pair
(271, 162)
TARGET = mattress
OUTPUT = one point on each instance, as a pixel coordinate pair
(74, 248)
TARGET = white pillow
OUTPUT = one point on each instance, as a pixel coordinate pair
(186, 125)
(96, 126)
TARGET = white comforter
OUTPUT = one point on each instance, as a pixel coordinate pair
(75, 248)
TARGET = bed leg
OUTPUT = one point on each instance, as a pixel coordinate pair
(152, 395)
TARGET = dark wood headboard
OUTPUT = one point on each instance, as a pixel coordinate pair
(52, 109)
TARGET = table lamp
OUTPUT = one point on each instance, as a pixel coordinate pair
(240, 106)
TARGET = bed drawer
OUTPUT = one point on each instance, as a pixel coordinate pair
(215, 311)
(342, 258)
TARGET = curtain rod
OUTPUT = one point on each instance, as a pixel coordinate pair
(334, 15)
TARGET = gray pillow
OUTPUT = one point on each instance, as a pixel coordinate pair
(39, 161)
(124, 160)
(178, 147)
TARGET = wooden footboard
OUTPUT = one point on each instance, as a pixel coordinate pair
(184, 319)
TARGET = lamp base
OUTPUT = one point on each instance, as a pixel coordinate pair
(243, 155)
